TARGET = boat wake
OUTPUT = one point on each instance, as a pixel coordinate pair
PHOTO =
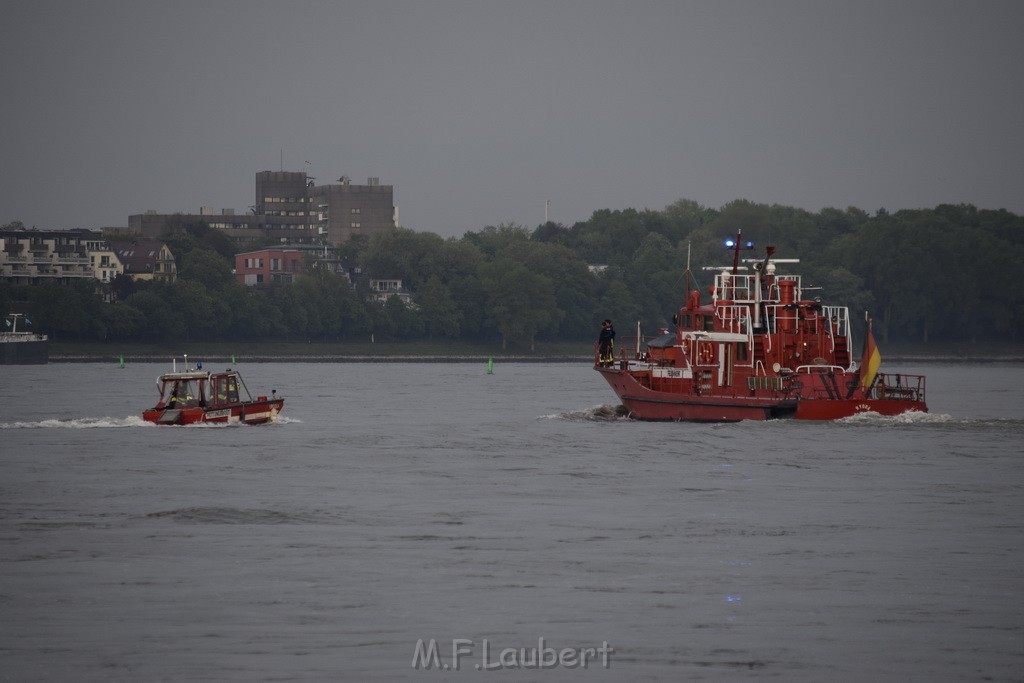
(612, 413)
(915, 418)
(602, 413)
(912, 417)
(118, 422)
(80, 423)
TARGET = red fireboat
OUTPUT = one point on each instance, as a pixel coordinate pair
(759, 350)
(195, 396)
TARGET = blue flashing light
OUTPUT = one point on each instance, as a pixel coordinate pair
(750, 245)
(730, 244)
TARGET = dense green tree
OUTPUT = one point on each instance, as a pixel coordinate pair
(617, 302)
(404, 321)
(124, 322)
(439, 312)
(551, 232)
(254, 315)
(6, 297)
(573, 286)
(182, 235)
(656, 270)
(684, 216)
(207, 267)
(123, 286)
(494, 240)
(164, 320)
(519, 303)
(946, 273)
(70, 311)
(403, 254)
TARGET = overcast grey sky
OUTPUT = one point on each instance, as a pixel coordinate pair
(479, 111)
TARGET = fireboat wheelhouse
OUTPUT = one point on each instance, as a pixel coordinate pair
(758, 350)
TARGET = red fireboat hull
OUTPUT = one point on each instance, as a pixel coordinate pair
(250, 412)
(648, 404)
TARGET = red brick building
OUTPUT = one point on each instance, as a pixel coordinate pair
(266, 266)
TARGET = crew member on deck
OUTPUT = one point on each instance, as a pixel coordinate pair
(606, 344)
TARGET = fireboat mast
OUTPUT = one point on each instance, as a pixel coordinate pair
(688, 275)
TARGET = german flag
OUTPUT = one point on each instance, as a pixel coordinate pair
(870, 360)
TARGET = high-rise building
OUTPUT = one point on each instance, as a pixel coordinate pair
(290, 208)
(344, 210)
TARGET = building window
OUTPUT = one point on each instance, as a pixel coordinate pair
(356, 209)
(356, 225)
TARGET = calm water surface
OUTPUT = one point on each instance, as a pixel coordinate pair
(398, 503)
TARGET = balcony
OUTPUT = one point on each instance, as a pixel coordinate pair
(73, 259)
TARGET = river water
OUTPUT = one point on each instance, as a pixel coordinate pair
(512, 522)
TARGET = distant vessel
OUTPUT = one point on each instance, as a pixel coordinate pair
(758, 350)
(196, 396)
(22, 348)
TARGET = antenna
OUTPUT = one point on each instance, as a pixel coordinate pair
(687, 272)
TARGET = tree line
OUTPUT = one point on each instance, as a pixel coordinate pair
(942, 274)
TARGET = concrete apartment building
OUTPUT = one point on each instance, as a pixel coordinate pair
(344, 210)
(29, 257)
(292, 209)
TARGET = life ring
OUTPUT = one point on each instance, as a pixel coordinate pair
(705, 353)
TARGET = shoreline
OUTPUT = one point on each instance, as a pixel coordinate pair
(413, 358)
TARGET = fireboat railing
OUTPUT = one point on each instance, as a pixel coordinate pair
(734, 318)
(631, 348)
(740, 287)
(820, 368)
(896, 386)
(887, 386)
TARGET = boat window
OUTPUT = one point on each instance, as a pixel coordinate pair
(188, 391)
(226, 390)
(709, 323)
(181, 393)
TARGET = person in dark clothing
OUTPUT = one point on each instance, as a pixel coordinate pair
(606, 344)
